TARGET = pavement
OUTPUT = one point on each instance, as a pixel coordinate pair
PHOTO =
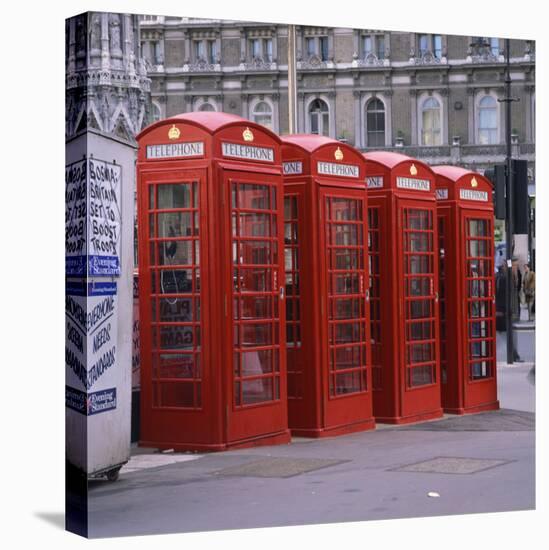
(455, 465)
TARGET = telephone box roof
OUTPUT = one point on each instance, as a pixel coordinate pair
(453, 173)
(390, 159)
(308, 142)
(209, 121)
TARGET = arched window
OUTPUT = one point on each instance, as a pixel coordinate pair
(375, 123)
(156, 113)
(319, 118)
(487, 121)
(263, 114)
(206, 107)
(430, 118)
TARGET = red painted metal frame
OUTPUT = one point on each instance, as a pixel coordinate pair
(316, 405)
(216, 418)
(395, 320)
(461, 393)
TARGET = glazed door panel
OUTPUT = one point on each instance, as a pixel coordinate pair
(256, 303)
(345, 303)
(478, 287)
(171, 304)
(419, 302)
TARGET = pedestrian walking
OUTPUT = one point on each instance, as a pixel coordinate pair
(517, 287)
(529, 288)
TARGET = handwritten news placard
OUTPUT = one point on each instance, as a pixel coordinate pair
(92, 218)
(91, 319)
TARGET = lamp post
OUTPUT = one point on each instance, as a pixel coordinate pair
(508, 207)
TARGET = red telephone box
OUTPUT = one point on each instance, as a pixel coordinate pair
(467, 291)
(403, 288)
(212, 312)
(327, 313)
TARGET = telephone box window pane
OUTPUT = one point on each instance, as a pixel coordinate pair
(176, 337)
(255, 197)
(419, 264)
(258, 362)
(346, 308)
(176, 366)
(346, 234)
(257, 391)
(256, 335)
(253, 280)
(348, 382)
(420, 353)
(347, 357)
(255, 252)
(478, 228)
(175, 253)
(176, 310)
(478, 248)
(420, 309)
(347, 283)
(175, 394)
(345, 209)
(254, 224)
(175, 224)
(174, 195)
(255, 307)
(419, 286)
(480, 369)
(347, 258)
(175, 281)
(348, 332)
(237, 399)
(479, 329)
(420, 376)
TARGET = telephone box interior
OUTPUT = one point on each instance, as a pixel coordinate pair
(328, 330)
(403, 288)
(467, 291)
(211, 296)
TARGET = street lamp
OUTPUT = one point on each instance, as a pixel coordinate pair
(509, 207)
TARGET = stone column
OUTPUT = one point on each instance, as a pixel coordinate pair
(388, 95)
(414, 123)
(444, 129)
(359, 126)
(276, 120)
(105, 54)
(301, 126)
(471, 114)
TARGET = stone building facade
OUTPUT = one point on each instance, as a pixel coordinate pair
(107, 87)
(434, 97)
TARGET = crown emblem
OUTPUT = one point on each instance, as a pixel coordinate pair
(338, 154)
(474, 182)
(174, 132)
(247, 135)
(413, 170)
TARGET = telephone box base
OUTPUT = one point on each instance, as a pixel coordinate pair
(431, 415)
(494, 406)
(334, 430)
(279, 438)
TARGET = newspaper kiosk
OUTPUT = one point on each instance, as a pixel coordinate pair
(212, 315)
(467, 291)
(403, 288)
(328, 333)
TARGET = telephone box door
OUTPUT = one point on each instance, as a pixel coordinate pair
(346, 330)
(172, 322)
(255, 300)
(419, 288)
(479, 295)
